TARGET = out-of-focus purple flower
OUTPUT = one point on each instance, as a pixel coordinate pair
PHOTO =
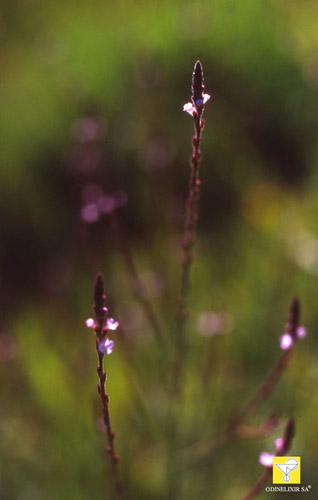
(96, 203)
(89, 128)
(266, 459)
(112, 324)
(215, 323)
(105, 309)
(90, 323)
(106, 346)
(279, 445)
(282, 445)
(286, 341)
(301, 332)
(90, 213)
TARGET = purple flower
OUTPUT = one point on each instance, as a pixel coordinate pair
(112, 324)
(301, 332)
(90, 323)
(279, 445)
(90, 213)
(106, 346)
(282, 445)
(266, 459)
(286, 341)
(191, 109)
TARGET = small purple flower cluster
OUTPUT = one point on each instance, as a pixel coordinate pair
(198, 98)
(105, 345)
(266, 459)
(192, 108)
(287, 340)
(282, 445)
(96, 203)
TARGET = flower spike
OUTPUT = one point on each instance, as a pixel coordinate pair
(198, 97)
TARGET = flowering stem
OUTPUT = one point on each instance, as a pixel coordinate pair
(285, 443)
(196, 109)
(268, 385)
(234, 426)
(101, 331)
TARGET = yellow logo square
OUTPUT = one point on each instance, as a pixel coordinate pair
(286, 470)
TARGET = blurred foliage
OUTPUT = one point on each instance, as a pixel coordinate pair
(91, 99)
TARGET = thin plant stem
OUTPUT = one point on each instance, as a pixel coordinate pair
(286, 441)
(270, 382)
(114, 458)
(196, 109)
(101, 333)
(234, 426)
(137, 285)
(258, 486)
(263, 392)
(207, 446)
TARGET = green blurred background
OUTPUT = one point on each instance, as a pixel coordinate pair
(94, 160)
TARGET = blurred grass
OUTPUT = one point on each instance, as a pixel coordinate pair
(131, 63)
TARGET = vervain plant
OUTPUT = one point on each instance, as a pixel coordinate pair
(196, 109)
(104, 346)
(235, 426)
(282, 445)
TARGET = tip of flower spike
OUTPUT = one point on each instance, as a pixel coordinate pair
(112, 324)
(106, 346)
(286, 341)
(197, 84)
(295, 305)
(266, 459)
(90, 323)
(197, 74)
(294, 312)
(99, 288)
